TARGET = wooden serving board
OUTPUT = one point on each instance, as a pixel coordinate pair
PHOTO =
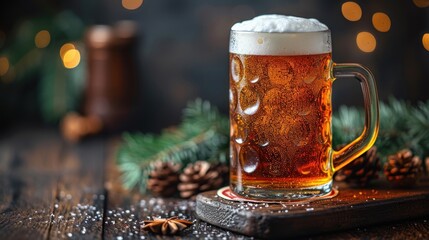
(352, 208)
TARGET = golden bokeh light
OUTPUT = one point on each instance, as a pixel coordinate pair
(71, 58)
(425, 41)
(381, 22)
(351, 11)
(4, 65)
(421, 3)
(131, 4)
(65, 47)
(42, 39)
(366, 42)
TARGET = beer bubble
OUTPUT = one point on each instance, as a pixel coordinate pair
(249, 101)
(249, 159)
(238, 129)
(280, 72)
(236, 69)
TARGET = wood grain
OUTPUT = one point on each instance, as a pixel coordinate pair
(30, 177)
(50, 189)
(350, 209)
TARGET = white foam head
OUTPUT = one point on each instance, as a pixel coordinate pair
(280, 35)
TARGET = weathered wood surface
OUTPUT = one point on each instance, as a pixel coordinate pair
(352, 208)
(50, 189)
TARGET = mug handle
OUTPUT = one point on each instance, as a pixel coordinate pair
(370, 131)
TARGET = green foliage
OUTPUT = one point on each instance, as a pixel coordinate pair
(203, 134)
(58, 89)
(401, 126)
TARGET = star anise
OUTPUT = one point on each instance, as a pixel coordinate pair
(166, 226)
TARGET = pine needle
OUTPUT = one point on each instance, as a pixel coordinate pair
(401, 126)
(203, 134)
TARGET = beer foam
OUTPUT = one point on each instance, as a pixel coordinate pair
(280, 35)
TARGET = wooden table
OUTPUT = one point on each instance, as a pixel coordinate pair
(52, 189)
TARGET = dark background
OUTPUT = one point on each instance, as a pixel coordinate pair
(182, 51)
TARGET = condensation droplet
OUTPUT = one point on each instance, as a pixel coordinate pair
(249, 101)
(249, 159)
(236, 69)
(252, 109)
(239, 129)
(254, 80)
(232, 99)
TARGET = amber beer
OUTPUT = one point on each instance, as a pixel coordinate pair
(280, 109)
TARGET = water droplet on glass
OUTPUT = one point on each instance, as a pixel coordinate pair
(252, 109)
(239, 129)
(249, 100)
(254, 80)
(236, 69)
(249, 159)
(232, 99)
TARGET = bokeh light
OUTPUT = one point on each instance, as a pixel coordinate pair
(351, 11)
(425, 41)
(421, 3)
(366, 42)
(71, 58)
(64, 48)
(42, 39)
(4, 65)
(131, 4)
(381, 22)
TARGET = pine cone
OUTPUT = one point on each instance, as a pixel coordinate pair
(201, 176)
(163, 179)
(403, 168)
(361, 170)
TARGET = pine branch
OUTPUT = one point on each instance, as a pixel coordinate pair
(401, 126)
(203, 134)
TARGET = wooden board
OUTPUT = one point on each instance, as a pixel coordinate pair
(352, 208)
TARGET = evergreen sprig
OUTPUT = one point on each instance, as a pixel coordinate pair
(401, 126)
(203, 134)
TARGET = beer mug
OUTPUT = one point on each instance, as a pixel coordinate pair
(281, 76)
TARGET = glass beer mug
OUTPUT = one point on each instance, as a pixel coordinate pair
(281, 76)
